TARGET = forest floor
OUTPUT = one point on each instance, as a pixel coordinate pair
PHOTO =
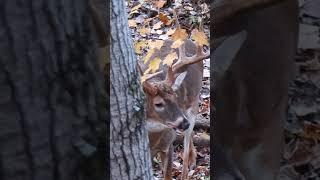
(154, 20)
(301, 159)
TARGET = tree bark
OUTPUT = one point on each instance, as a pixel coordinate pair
(129, 149)
(52, 101)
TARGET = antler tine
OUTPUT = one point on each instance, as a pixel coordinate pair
(142, 70)
(149, 76)
(184, 60)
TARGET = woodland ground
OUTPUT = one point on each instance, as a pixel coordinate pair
(301, 159)
(154, 21)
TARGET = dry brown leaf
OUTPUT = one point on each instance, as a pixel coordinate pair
(160, 3)
(199, 37)
(132, 23)
(179, 34)
(311, 131)
(163, 18)
(170, 58)
(177, 43)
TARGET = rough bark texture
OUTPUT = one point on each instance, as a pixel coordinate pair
(129, 150)
(52, 104)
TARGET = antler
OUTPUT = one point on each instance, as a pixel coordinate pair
(224, 9)
(185, 60)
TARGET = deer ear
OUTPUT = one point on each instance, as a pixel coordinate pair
(178, 81)
(149, 88)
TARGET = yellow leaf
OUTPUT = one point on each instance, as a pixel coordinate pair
(170, 58)
(154, 64)
(177, 43)
(132, 23)
(157, 25)
(149, 54)
(157, 44)
(199, 37)
(139, 46)
(179, 34)
(144, 31)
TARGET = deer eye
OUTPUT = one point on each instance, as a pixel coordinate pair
(159, 106)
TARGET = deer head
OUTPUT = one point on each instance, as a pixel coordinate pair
(161, 98)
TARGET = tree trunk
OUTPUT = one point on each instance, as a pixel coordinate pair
(52, 101)
(129, 150)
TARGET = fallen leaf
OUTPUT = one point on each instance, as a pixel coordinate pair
(144, 31)
(199, 37)
(177, 43)
(163, 18)
(163, 37)
(139, 46)
(159, 4)
(179, 34)
(170, 58)
(170, 32)
(146, 21)
(159, 31)
(169, 22)
(136, 7)
(157, 25)
(132, 23)
(157, 44)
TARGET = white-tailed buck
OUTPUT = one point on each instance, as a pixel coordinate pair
(172, 102)
(254, 47)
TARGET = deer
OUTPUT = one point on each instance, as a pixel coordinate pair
(253, 48)
(172, 102)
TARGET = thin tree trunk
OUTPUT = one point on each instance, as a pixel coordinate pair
(129, 150)
(52, 99)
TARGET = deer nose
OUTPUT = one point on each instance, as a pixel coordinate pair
(184, 125)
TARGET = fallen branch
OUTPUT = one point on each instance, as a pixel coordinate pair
(202, 123)
(199, 139)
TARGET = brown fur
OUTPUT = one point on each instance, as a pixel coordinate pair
(181, 101)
